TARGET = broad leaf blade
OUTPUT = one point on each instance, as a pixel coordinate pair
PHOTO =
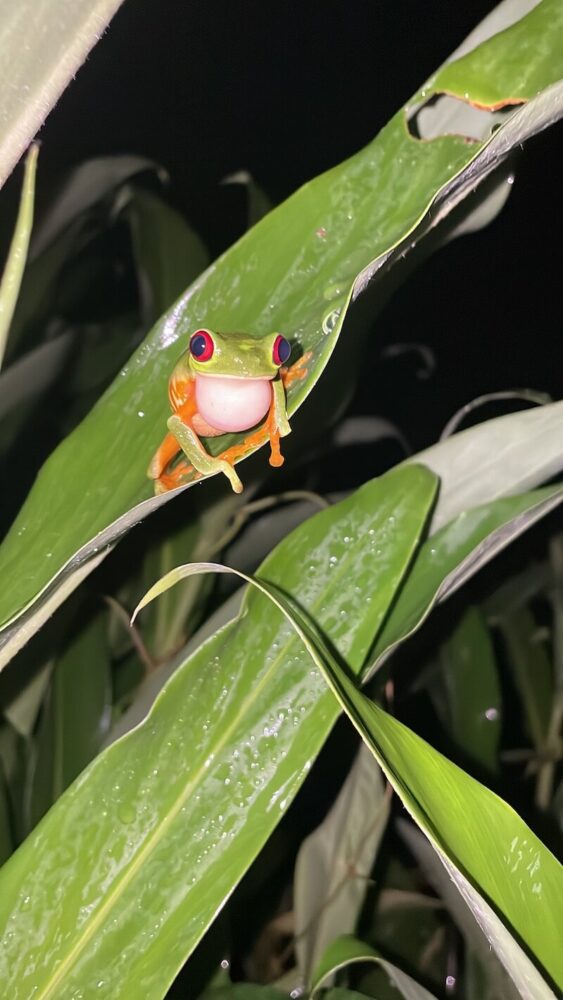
(473, 830)
(330, 239)
(155, 834)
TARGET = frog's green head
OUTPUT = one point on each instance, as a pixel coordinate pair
(235, 355)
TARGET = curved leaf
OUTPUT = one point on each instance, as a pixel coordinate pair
(123, 876)
(297, 270)
(348, 950)
(479, 838)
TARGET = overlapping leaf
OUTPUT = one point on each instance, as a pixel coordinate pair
(123, 876)
(296, 270)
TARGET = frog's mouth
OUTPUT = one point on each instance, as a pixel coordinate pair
(228, 403)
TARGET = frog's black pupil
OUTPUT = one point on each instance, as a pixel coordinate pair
(284, 350)
(198, 346)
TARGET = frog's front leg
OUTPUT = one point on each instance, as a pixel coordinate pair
(201, 460)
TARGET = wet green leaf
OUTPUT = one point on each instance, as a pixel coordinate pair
(154, 835)
(297, 270)
(474, 831)
(481, 840)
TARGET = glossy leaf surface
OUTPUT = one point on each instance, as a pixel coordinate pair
(121, 879)
(296, 271)
(470, 827)
(479, 837)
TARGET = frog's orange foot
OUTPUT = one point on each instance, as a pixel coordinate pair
(176, 477)
(297, 372)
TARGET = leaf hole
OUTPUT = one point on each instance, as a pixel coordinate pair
(444, 114)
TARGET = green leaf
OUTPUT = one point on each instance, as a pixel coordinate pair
(38, 64)
(447, 559)
(474, 831)
(334, 863)
(154, 835)
(330, 238)
(470, 683)
(479, 838)
(470, 74)
(13, 270)
(348, 950)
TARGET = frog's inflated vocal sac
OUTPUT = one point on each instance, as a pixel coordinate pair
(224, 382)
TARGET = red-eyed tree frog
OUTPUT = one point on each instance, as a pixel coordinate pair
(224, 383)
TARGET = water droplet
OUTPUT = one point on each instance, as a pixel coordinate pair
(329, 321)
(331, 292)
(126, 813)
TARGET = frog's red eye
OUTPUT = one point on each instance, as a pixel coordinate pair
(201, 345)
(281, 351)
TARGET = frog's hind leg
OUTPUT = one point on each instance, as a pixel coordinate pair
(182, 400)
(162, 457)
(176, 477)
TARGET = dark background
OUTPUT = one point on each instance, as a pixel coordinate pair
(286, 89)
